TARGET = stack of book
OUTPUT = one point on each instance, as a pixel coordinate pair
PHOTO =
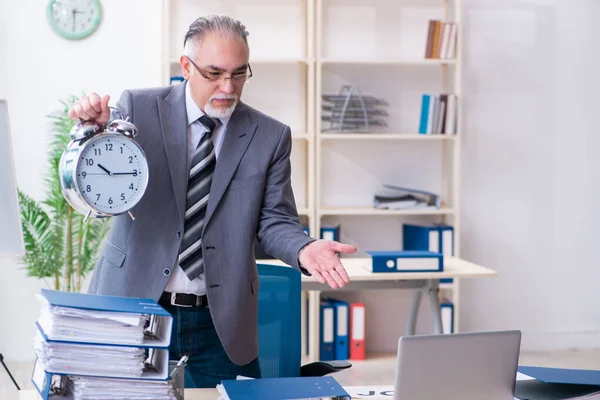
(91, 346)
(439, 114)
(441, 40)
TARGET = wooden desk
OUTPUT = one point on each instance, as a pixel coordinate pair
(361, 278)
(190, 394)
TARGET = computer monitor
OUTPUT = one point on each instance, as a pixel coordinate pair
(11, 236)
(466, 366)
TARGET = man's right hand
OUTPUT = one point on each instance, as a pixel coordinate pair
(91, 107)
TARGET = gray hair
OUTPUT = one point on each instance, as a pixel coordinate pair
(222, 24)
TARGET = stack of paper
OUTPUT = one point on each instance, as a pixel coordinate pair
(102, 347)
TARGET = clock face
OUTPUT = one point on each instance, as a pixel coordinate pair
(112, 173)
(74, 19)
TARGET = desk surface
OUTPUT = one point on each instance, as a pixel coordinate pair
(190, 394)
(359, 270)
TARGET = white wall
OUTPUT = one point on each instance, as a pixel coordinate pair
(531, 176)
(37, 69)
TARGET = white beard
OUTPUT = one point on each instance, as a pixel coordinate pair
(214, 112)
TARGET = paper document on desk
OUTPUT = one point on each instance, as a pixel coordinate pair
(370, 392)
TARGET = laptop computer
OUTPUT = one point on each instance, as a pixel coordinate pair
(465, 366)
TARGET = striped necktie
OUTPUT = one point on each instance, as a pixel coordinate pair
(200, 178)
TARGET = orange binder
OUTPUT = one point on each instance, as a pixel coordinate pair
(357, 331)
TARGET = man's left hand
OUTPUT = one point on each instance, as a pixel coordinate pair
(321, 259)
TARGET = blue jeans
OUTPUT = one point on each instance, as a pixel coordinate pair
(194, 335)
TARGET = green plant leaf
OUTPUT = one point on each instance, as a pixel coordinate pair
(38, 236)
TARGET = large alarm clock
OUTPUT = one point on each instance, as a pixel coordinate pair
(103, 171)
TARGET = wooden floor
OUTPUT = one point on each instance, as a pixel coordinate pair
(377, 370)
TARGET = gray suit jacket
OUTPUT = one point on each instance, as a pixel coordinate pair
(251, 196)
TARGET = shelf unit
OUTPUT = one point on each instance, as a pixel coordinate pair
(300, 49)
(361, 43)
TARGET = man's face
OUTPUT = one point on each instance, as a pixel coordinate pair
(219, 58)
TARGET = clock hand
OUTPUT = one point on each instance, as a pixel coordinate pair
(74, 16)
(124, 173)
(105, 170)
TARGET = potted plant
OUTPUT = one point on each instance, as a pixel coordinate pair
(58, 244)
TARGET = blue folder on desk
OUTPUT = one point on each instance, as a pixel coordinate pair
(557, 383)
(324, 387)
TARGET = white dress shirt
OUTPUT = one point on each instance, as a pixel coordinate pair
(179, 282)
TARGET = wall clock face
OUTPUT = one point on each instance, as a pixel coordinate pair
(74, 19)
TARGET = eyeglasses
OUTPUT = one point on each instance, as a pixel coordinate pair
(215, 76)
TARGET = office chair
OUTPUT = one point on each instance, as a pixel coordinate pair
(279, 335)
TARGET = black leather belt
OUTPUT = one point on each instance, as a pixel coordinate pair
(183, 300)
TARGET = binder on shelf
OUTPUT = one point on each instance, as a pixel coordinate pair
(176, 79)
(557, 383)
(322, 387)
(327, 334)
(74, 316)
(306, 230)
(447, 311)
(406, 261)
(421, 237)
(330, 233)
(357, 331)
(341, 328)
(431, 237)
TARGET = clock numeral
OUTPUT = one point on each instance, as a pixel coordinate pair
(131, 186)
(97, 152)
(110, 200)
(130, 159)
(88, 188)
(97, 196)
(121, 149)
(135, 172)
(89, 161)
(122, 196)
(109, 146)
(84, 174)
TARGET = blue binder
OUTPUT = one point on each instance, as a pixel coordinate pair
(176, 79)
(52, 386)
(342, 325)
(159, 361)
(161, 320)
(306, 230)
(557, 383)
(421, 237)
(406, 261)
(562, 375)
(330, 233)
(434, 237)
(322, 387)
(327, 332)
